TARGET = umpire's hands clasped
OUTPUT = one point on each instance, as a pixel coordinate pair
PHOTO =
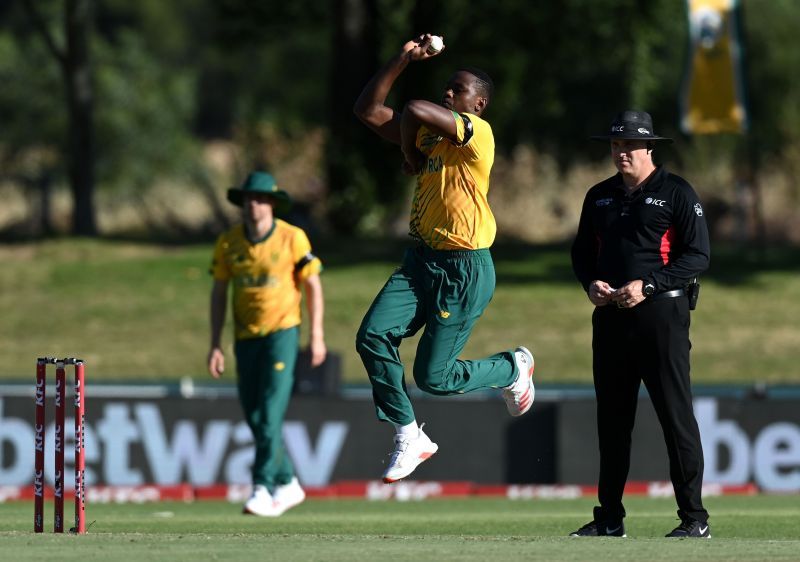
(627, 296)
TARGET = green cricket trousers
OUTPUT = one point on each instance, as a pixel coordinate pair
(446, 292)
(265, 367)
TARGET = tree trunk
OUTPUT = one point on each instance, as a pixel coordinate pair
(75, 67)
(351, 195)
(44, 182)
(80, 103)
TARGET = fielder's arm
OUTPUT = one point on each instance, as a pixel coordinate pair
(315, 305)
(218, 304)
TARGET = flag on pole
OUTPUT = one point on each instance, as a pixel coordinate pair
(713, 97)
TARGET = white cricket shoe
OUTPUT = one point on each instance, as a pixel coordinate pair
(408, 454)
(288, 496)
(261, 503)
(519, 395)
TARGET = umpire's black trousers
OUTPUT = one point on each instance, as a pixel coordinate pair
(650, 343)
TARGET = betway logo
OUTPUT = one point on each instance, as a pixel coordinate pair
(771, 457)
(193, 452)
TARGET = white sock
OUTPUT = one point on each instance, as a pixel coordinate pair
(410, 430)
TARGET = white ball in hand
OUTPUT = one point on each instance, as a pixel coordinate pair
(436, 45)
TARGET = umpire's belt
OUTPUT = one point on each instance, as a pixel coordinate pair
(668, 295)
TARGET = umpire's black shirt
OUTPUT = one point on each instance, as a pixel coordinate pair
(657, 234)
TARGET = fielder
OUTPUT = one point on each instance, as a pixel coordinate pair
(268, 261)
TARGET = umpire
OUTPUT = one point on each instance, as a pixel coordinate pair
(641, 242)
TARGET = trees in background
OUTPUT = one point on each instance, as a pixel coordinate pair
(71, 53)
(165, 77)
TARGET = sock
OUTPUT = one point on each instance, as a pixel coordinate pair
(514, 370)
(410, 430)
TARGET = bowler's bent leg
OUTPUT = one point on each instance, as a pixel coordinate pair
(461, 286)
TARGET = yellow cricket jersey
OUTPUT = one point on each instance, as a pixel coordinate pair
(266, 276)
(450, 210)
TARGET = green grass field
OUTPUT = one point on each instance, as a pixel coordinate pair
(743, 528)
(138, 312)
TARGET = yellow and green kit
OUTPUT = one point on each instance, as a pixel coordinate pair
(266, 276)
(445, 281)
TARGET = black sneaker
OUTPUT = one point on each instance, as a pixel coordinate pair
(601, 529)
(691, 528)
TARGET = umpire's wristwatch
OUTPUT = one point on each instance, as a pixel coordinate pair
(648, 290)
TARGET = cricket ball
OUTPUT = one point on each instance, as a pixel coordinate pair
(437, 44)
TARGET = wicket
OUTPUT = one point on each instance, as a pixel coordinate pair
(38, 477)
